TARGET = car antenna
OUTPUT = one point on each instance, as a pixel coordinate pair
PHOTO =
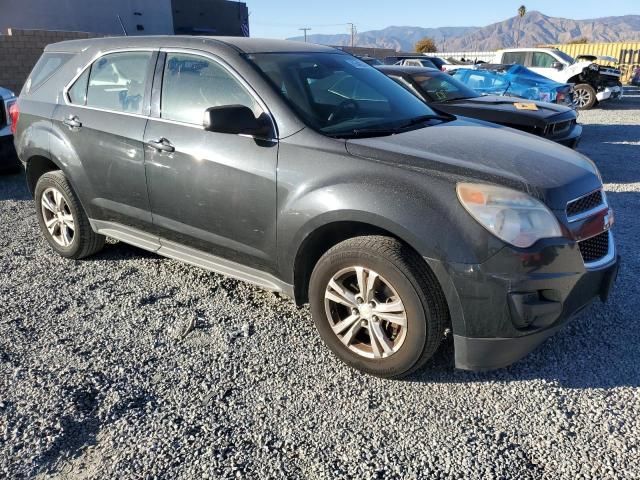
(122, 25)
(508, 87)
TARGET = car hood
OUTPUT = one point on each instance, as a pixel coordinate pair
(466, 149)
(503, 110)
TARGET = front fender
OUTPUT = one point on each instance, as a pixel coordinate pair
(420, 209)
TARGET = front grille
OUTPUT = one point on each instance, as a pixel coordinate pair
(559, 128)
(594, 248)
(584, 204)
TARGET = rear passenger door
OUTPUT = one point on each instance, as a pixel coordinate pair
(101, 123)
(214, 192)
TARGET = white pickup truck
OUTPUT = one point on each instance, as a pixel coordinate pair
(593, 83)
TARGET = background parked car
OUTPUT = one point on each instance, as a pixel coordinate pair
(8, 158)
(370, 60)
(416, 61)
(442, 91)
(593, 82)
(515, 81)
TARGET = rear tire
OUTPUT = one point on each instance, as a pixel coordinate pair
(584, 96)
(62, 219)
(378, 306)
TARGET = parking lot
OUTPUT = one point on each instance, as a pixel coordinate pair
(130, 365)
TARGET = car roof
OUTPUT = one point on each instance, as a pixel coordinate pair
(532, 49)
(402, 70)
(242, 44)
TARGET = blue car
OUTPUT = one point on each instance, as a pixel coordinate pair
(515, 81)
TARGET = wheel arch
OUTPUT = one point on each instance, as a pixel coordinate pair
(322, 239)
(36, 166)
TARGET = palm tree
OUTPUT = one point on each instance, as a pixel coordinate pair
(522, 11)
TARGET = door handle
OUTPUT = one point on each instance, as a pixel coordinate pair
(162, 145)
(72, 122)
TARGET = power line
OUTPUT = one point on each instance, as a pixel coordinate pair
(353, 33)
(305, 30)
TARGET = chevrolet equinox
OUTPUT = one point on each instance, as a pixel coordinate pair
(303, 170)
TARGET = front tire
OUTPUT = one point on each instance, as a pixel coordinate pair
(62, 220)
(378, 306)
(584, 96)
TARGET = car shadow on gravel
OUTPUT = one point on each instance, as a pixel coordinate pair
(14, 187)
(615, 149)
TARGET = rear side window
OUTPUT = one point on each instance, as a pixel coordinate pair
(193, 84)
(48, 64)
(509, 58)
(117, 82)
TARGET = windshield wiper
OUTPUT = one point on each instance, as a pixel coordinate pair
(384, 131)
(372, 132)
(426, 118)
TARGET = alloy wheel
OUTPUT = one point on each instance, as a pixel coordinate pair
(365, 312)
(57, 216)
(582, 98)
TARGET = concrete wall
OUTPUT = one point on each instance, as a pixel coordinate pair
(21, 49)
(97, 16)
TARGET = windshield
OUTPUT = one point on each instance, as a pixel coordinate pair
(441, 87)
(340, 95)
(566, 57)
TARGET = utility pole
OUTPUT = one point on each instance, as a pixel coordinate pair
(305, 30)
(353, 33)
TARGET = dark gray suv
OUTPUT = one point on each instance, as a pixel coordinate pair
(303, 170)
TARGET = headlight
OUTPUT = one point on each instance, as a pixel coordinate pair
(512, 216)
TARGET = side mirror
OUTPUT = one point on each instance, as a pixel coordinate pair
(557, 65)
(237, 120)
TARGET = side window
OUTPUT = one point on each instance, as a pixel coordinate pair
(48, 64)
(485, 81)
(78, 92)
(117, 82)
(542, 60)
(509, 58)
(192, 84)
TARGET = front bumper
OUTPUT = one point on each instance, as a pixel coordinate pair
(503, 309)
(610, 93)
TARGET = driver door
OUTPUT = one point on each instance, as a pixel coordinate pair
(213, 192)
(541, 63)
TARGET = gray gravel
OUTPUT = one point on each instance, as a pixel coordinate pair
(130, 365)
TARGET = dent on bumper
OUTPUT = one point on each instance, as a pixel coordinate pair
(504, 308)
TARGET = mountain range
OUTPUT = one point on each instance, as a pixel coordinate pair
(533, 29)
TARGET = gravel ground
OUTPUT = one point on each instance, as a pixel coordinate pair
(130, 365)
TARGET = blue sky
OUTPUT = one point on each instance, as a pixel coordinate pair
(282, 18)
